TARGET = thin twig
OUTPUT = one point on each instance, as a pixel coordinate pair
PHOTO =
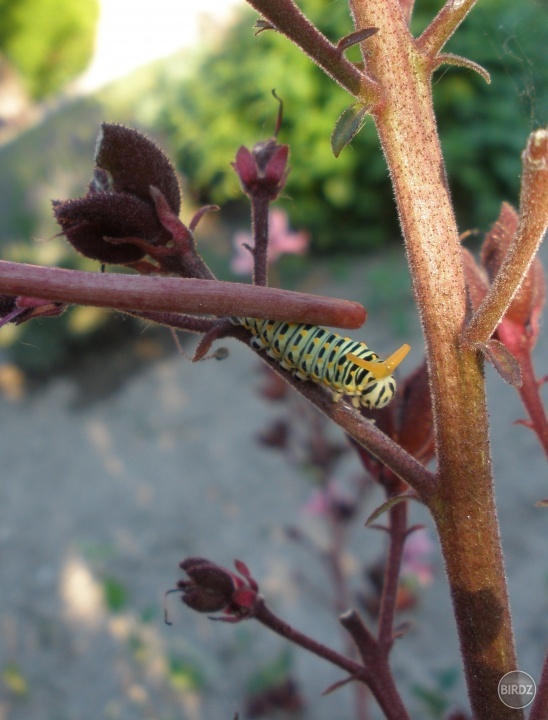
(398, 527)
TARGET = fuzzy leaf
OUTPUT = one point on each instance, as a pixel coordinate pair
(348, 126)
(505, 363)
(355, 38)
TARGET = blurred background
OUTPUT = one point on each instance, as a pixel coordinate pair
(112, 443)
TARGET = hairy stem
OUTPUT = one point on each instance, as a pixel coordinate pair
(286, 17)
(259, 221)
(463, 503)
(443, 26)
(532, 225)
(179, 295)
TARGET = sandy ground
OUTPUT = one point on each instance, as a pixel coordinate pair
(115, 492)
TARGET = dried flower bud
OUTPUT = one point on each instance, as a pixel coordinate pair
(22, 308)
(211, 588)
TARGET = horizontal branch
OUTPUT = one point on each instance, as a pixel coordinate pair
(180, 295)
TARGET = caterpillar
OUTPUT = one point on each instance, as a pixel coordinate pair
(314, 353)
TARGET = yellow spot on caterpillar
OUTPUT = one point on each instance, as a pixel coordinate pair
(384, 368)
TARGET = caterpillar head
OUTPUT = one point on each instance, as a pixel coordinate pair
(377, 388)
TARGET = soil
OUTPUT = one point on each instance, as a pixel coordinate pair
(108, 485)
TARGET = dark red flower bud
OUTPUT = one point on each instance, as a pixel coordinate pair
(134, 163)
(211, 588)
(263, 170)
(89, 222)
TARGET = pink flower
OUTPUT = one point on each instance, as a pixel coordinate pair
(282, 241)
(330, 501)
(415, 568)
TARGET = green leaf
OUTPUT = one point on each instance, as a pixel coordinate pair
(14, 680)
(348, 126)
(115, 594)
(389, 504)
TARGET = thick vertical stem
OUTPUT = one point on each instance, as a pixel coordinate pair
(463, 505)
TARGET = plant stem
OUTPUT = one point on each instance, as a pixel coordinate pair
(365, 434)
(443, 26)
(286, 17)
(179, 295)
(374, 672)
(375, 660)
(259, 222)
(462, 504)
(531, 228)
(397, 534)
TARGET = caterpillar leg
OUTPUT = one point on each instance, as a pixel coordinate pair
(384, 368)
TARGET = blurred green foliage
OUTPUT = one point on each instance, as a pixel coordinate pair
(115, 594)
(48, 42)
(348, 203)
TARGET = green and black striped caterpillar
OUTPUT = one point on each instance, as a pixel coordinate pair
(311, 352)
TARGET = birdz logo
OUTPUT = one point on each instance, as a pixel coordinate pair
(517, 689)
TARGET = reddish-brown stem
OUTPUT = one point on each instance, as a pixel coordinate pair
(179, 295)
(188, 323)
(374, 671)
(286, 17)
(539, 708)
(375, 661)
(462, 503)
(443, 26)
(398, 528)
(530, 396)
(532, 225)
(266, 617)
(259, 224)
(365, 433)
